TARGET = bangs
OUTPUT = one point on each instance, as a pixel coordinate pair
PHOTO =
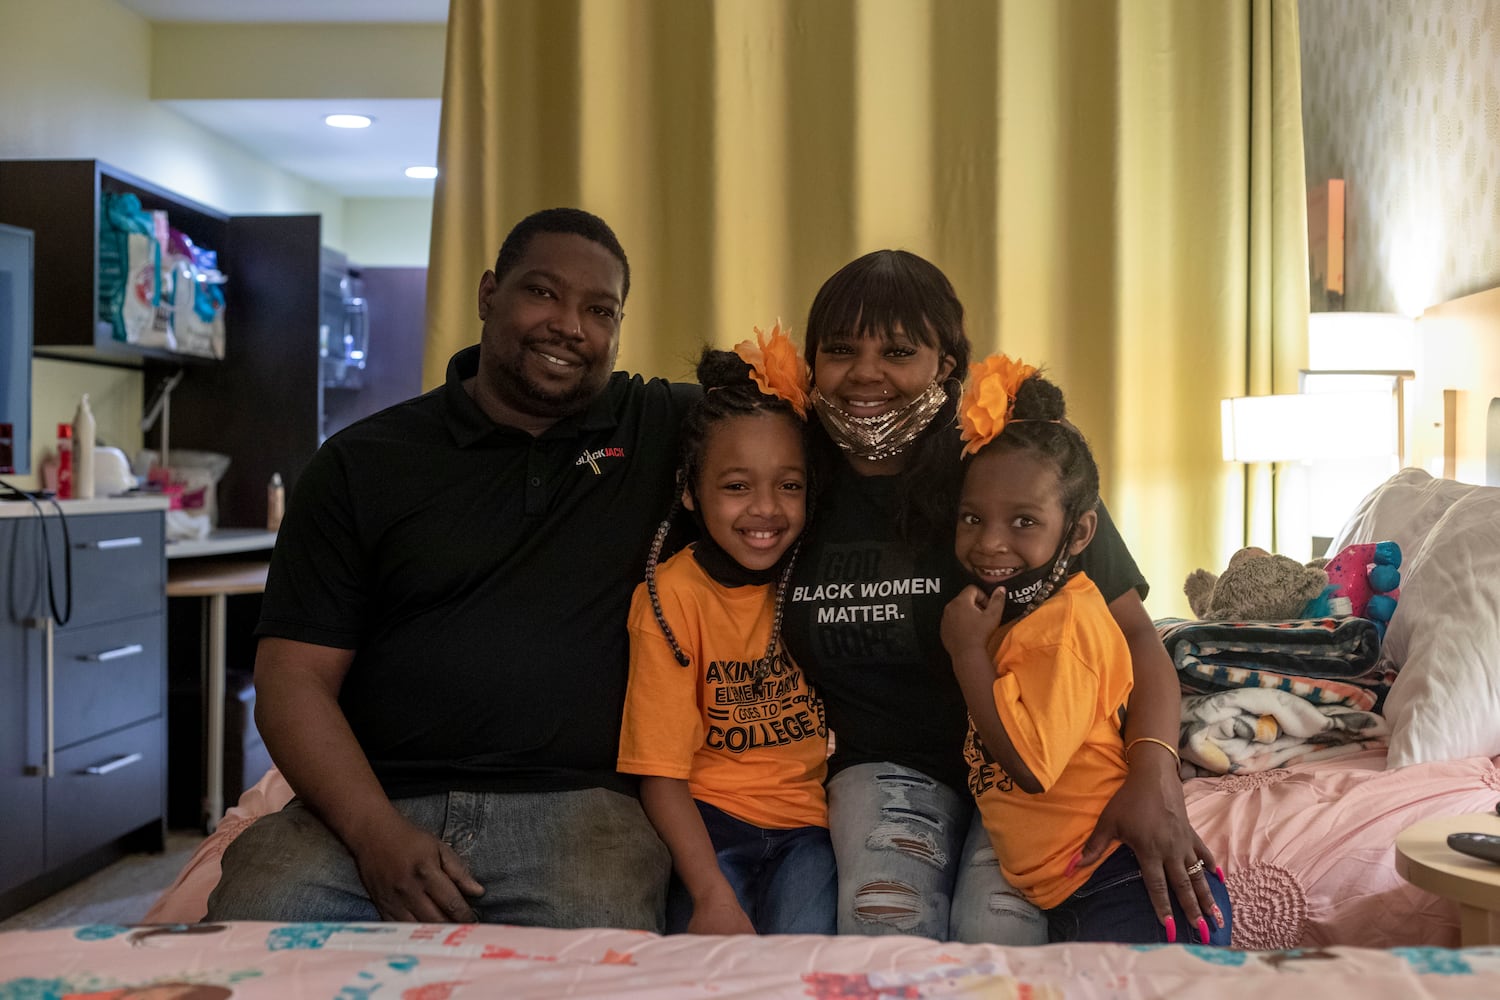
(881, 292)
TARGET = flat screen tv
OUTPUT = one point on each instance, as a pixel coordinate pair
(15, 349)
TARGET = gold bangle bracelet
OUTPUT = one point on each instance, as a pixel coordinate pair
(1152, 739)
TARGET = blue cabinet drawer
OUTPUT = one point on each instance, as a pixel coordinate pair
(119, 565)
(105, 788)
(108, 676)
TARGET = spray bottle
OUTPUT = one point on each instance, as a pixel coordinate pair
(83, 451)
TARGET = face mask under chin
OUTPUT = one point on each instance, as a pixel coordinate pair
(884, 436)
(1026, 590)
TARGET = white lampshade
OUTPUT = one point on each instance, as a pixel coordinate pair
(1303, 427)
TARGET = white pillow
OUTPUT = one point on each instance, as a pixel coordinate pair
(1403, 510)
(1445, 634)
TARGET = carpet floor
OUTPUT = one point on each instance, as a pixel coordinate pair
(119, 894)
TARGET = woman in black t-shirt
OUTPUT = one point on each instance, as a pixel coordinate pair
(887, 347)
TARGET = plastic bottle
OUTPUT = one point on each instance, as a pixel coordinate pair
(64, 461)
(83, 451)
(275, 502)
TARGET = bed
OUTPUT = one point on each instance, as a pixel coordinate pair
(1307, 848)
(427, 962)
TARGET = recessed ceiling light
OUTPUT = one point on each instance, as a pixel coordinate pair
(348, 121)
(421, 173)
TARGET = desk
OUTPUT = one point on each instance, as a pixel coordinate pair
(216, 580)
(1424, 859)
(221, 542)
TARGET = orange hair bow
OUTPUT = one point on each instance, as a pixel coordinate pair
(990, 399)
(777, 367)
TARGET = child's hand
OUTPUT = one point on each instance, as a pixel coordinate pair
(720, 913)
(970, 619)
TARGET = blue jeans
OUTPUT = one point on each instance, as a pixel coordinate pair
(913, 858)
(1113, 905)
(585, 858)
(785, 880)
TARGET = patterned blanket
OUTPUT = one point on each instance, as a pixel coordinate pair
(1258, 729)
(1258, 695)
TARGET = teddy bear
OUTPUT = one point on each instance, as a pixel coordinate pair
(1361, 580)
(1256, 586)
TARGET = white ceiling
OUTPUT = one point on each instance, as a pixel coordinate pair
(355, 163)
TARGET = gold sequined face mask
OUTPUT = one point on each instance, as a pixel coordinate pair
(879, 437)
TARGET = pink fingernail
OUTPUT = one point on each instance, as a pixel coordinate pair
(1203, 930)
(1072, 864)
(1171, 925)
(1219, 871)
(1218, 917)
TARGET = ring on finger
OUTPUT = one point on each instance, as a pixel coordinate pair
(1195, 869)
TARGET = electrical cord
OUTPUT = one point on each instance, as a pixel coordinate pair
(16, 493)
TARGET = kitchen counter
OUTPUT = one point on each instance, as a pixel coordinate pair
(102, 505)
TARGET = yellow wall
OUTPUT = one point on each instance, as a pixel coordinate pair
(220, 62)
(387, 232)
(76, 78)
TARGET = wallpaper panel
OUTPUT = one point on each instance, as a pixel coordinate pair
(1401, 98)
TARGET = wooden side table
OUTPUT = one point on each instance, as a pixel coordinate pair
(1424, 859)
(216, 580)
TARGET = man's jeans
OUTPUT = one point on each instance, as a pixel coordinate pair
(1113, 905)
(586, 858)
(785, 880)
(914, 858)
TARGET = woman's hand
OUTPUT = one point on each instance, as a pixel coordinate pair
(1149, 816)
(1148, 812)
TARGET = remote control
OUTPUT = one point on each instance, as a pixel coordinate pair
(1477, 845)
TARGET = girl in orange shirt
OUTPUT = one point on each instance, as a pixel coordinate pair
(719, 721)
(1044, 668)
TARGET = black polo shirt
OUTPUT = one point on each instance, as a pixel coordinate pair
(483, 577)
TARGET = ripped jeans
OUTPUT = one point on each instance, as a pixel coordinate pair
(913, 858)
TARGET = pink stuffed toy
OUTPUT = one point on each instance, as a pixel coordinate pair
(1367, 579)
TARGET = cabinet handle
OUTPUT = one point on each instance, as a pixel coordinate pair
(49, 751)
(116, 764)
(104, 544)
(114, 654)
(51, 754)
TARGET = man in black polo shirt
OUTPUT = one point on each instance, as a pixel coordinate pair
(443, 649)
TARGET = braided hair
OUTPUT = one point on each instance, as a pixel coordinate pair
(1038, 426)
(729, 392)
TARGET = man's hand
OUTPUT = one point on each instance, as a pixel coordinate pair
(413, 876)
(719, 913)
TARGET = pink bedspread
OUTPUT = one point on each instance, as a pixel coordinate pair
(426, 962)
(1307, 850)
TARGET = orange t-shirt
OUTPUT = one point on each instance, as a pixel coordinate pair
(1063, 674)
(759, 756)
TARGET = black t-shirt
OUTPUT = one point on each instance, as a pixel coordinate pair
(483, 578)
(863, 617)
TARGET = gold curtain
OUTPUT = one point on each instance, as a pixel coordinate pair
(1114, 186)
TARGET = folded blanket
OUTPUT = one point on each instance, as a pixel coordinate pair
(1324, 661)
(1257, 729)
